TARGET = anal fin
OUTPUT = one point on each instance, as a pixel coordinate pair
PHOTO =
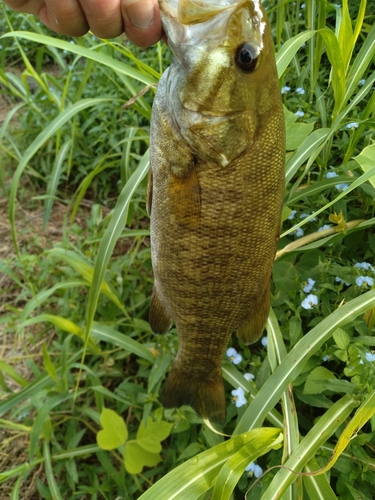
(252, 328)
(160, 320)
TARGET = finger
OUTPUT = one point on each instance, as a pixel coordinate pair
(142, 21)
(28, 6)
(104, 17)
(66, 18)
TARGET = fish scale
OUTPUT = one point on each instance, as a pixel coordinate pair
(215, 191)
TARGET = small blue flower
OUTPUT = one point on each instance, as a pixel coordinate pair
(370, 356)
(238, 397)
(299, 232)
(310, 301)
(341, 187)
(326, 357)
(309, 286)
(292, 214)
(300, 90)
(249, 376)
(299, 113)
(352, 125)
(339, 280)
(285, 89)
(361, 82)
(364, 265)
(364, 281)
(254, 470)
(323, 228)
(329, 175)
(234, 356)
(264, 341)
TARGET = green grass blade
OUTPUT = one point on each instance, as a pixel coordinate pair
(33, 388)
(307, 148)
(86, 270)
(43, 295)
(111, 235)
(38, 142)
(198, 475)
(54, 181)
(98, 57)
(293, 363)
(361, 63)
(289, 50)
(108, 334)
(310, 444)
(317, 487)
(53, 488)
(233, 469)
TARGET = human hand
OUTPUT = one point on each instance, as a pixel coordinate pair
(139, 19)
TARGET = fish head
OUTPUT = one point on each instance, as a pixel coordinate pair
(223, 74)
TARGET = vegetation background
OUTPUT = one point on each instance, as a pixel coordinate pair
(80, 370)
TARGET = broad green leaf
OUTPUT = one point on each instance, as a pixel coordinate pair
(150, 436)
(114, 432)
(315, 380)
(366, 160)
(296, 134)
(136, 457)
(341, 338)
(196, 476)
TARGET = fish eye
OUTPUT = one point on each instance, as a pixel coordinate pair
(246, 57)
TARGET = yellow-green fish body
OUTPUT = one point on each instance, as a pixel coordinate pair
(215, 190)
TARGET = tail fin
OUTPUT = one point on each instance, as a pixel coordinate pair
(205, 395)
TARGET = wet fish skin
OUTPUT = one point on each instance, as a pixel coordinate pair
(215, 191)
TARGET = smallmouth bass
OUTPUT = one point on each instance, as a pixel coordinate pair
(215, 190)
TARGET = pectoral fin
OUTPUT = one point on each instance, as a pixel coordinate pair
(252, 328)
(185, 198)
(160, 320)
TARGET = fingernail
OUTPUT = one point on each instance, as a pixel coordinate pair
(140, 13)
